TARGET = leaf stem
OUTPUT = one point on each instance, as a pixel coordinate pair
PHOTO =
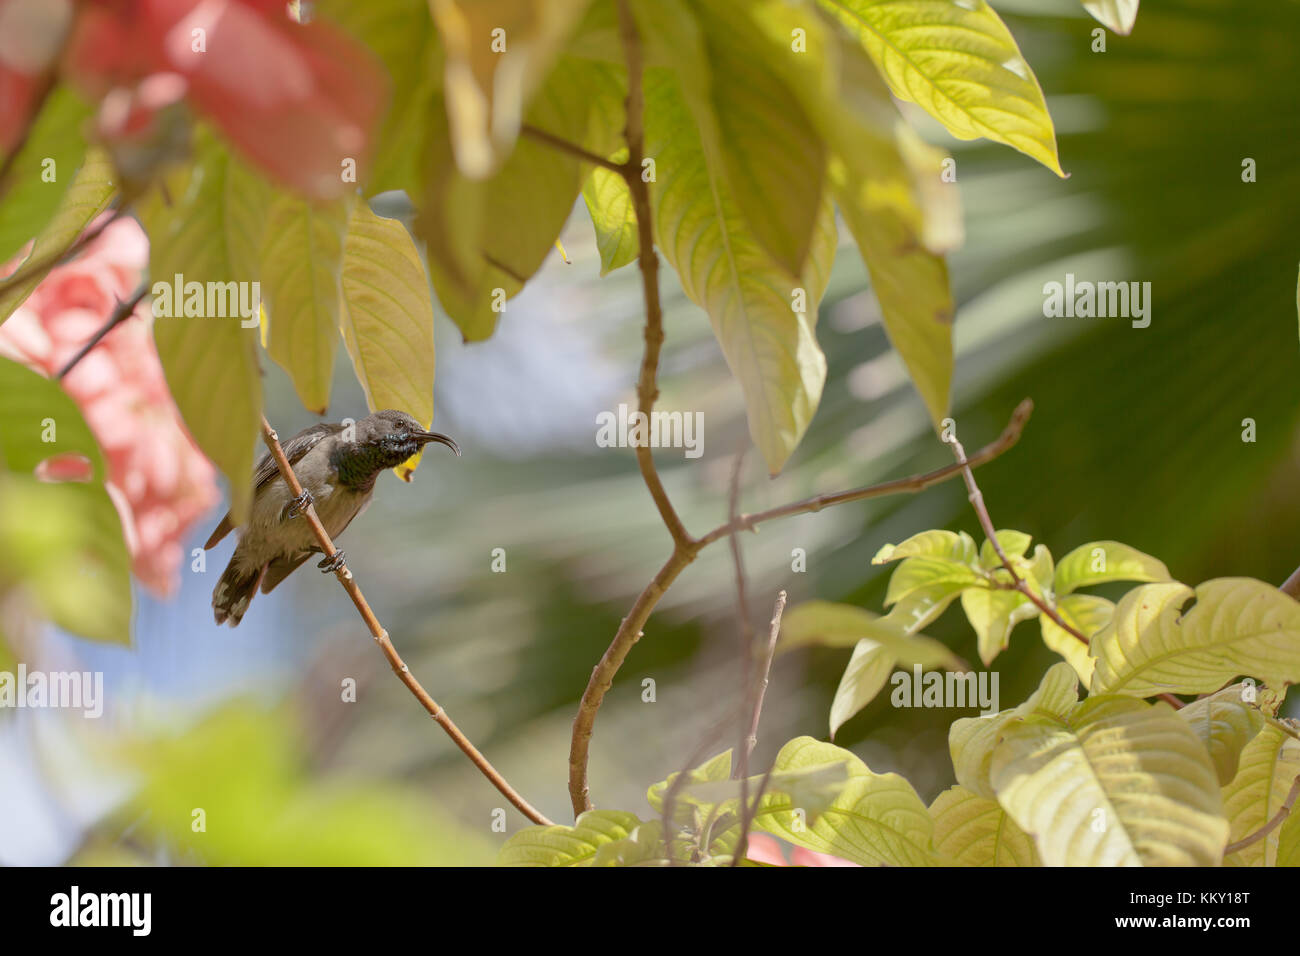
(1018, 583)
(573, 149)
(1282, 813)
(380, 635)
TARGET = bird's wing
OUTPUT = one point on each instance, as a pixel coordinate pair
(267, 470)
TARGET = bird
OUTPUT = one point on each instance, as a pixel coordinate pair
(337, 465)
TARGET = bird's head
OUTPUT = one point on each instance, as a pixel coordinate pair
(392, 436)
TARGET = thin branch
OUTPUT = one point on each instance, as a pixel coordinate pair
(121, 313)
(403, 672)
(573, 149)
(747, 814)
(1291, 585)
(630, 630)
(982, 512)
(740, 766)
(1276, 821)
(910, 485)
(760, 689)
(647, 387)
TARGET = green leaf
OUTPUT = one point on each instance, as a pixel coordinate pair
(885, 180)
(773, 155)
(1288, 841)
(915, 574)
(1118, 15)
(1099, 562)
(843, 625)
(993, 614)
(568, 846)
(877, 818)
(971, 740)
(956, 60)
(1117, 782)
(61, 543)
(302, 263)
(972, 831)
(86, 198)
(1226, 724)
(1087, 614)
(1268, 768)
(643, 847)
(609, 203)
(1238, 626)
(715, 769)
(386, 316)
(210, 362)
(494, 235)
(42, 171)
(749, 297)
(1014, 544)
(953, 546)
(867, 672)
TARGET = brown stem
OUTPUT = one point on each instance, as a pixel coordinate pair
(1276, 821)
(629, 631)
(760, 689)
(740, 765)
(1291, 585)
(573, 149)
(395, 661)
(982, 513)
(910, 485)
(121, 313)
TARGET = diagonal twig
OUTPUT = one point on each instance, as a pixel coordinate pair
(380, 635)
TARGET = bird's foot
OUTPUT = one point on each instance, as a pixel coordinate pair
(332, 563)
(299, 505)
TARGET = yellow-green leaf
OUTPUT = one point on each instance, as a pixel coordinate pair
(210, 362)
(498, 52)
(610, 205)
(302, 261)
(971, 830)
(1118, 782)
(1087, 614)
(1226, 723)
(568, 846)
(43, 170)
(1099, 562)
(86, 198)
(957, 60)
(971, 740)
(877, 818)
(1267, 770)
(1237, 627)
(993, 614)
(762, 316)
(386, 318)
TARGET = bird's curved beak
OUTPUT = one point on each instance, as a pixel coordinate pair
(425, 437)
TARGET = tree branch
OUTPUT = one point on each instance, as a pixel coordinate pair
(403, 672)
(740, 765)
(573, 149)
(120, 314)
(630, 630)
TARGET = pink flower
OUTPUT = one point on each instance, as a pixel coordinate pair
(764, 849)
(157, 477)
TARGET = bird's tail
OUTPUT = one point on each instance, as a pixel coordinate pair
(234, 592)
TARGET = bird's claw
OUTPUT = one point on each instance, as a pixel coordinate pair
(299, 505)
(332, 563)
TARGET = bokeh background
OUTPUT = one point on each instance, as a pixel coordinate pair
(1137, 436)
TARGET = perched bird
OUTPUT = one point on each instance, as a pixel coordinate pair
(337, 466)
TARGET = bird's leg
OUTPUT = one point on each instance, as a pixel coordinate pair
(299, 505)
(332, 563)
